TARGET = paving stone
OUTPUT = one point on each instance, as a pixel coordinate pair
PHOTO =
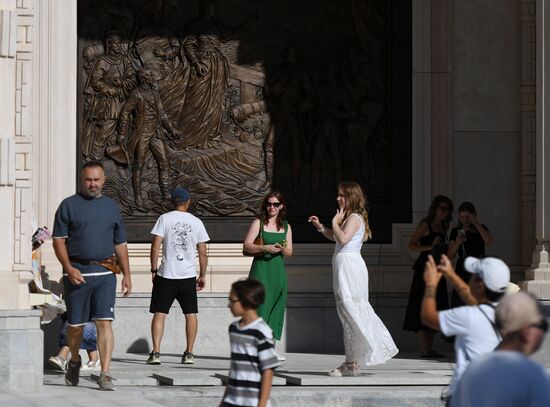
(190, 378)
(132, 379)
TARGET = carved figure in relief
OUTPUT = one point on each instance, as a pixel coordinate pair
(202, 114)
(146, 133)
(293, 92)
(332, 115)
(110, 82)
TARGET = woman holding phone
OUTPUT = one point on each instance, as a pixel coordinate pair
(268, 265)
(429, 237)
(468, 238)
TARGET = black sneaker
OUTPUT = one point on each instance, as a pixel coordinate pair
(187, 358)
(73, 371)
(154, 358)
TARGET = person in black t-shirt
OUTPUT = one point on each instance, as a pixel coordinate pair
(468, 238)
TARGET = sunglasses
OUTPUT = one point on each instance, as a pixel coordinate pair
(274, 204)
(542, 325)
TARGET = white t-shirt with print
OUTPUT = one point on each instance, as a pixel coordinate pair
(180, 232)
(475, 336)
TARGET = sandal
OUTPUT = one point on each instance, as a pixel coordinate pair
(346, 369)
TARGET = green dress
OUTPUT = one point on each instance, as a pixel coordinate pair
(269, 269)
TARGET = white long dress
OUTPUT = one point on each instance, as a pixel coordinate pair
(367, 341)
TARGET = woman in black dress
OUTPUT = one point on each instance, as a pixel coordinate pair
(431, 231)
(468, 238)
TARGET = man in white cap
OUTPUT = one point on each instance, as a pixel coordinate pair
(473, 325)
(508, 377)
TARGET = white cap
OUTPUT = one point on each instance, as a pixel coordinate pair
(494, 272)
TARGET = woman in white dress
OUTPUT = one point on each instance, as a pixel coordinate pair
(367, 341)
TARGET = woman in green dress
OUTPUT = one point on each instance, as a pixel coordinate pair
(268, 265)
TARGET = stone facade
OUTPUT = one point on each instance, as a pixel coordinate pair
(479, 134)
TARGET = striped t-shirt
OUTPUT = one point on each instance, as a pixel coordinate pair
(252, 352)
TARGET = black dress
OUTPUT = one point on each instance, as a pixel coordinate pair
(416, 294)
(474, 245)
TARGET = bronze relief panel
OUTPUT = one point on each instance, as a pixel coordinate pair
(231, 99)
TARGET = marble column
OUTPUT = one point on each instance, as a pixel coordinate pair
(538, 276)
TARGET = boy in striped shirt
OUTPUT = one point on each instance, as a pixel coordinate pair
(253, 356)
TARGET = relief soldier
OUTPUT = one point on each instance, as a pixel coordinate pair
(111, 81)
(148, 121)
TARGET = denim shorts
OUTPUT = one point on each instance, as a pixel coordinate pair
(94, 299)
(89, 336)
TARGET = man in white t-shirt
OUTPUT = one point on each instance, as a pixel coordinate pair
(182, 235)
(473, 325)
(507, 377)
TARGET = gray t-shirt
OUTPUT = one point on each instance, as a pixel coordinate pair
(503, 379)
(92, 227)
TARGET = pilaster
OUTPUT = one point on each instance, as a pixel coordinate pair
(538, 276)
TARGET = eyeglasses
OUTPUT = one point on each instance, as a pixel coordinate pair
(274, 204)
(542, 325)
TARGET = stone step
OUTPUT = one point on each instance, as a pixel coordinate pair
(189, 378)
(388, 378)
(277, 381)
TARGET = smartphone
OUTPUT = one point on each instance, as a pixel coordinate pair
(438, 251)
(461, 232)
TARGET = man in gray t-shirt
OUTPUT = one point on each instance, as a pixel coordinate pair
(88, 229)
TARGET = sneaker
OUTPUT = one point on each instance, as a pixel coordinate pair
(105, 382)
(73, 370)
(187, 358)
(58, 362)
(280, 357)
(154, 358)
(89, 367)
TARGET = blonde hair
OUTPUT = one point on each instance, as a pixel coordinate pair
(356, 203)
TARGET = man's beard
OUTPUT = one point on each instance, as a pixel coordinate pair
(91, 194)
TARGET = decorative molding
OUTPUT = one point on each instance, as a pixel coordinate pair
(7, 33)
(528, 129)
(7, 162)
(23, 137)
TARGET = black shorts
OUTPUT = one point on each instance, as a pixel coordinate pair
(166, 290)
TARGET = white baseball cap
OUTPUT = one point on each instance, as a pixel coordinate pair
(494, 272)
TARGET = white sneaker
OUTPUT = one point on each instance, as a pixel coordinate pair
(280, 357)
(90, 367)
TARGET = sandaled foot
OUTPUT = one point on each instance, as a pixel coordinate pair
(346, 369)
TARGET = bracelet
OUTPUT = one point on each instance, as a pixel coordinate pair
(321, 229)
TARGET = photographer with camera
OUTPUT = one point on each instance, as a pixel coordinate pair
(473, 325)
(468, 238)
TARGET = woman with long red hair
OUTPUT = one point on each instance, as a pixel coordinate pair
(366, 340)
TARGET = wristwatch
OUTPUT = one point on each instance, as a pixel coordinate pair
(154, 271)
